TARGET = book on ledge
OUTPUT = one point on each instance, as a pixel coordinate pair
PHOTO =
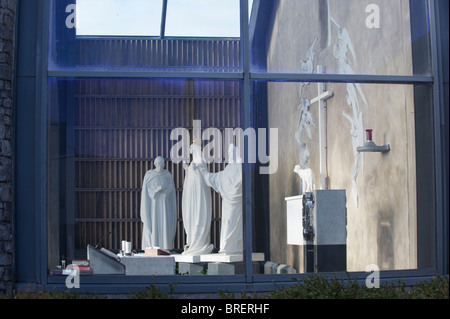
(155, 251)
(82, 264)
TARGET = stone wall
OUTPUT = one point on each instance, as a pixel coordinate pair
(7, 22)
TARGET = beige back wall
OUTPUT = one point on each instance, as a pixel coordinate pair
(381, 228)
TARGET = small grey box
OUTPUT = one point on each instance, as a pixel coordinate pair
(330, 217)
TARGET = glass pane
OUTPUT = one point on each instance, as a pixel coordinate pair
(114, 18)
(349, 186)
(104, 140)
(342, 36)
(203, 18)
(73, 47)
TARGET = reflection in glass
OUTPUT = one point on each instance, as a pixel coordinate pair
(139, 46)
(385, 221)
(203, 18)
(118, 18)
(104, 135)
(386, 38)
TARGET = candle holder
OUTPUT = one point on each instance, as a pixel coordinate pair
(370, 146)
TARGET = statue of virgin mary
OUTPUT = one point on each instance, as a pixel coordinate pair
(196, 206)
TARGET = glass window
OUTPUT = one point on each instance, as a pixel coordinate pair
(200, 18)
(114, 18)
(345, 37)
(349, 189)
(130, 36)
(104, 135)
(358, 152)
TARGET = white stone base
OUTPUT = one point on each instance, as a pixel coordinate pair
(224, 258)
(186, 258)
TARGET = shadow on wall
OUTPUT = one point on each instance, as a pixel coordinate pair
(385, 240)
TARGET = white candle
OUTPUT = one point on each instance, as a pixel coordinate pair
(128, 248)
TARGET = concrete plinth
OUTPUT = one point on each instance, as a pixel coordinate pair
(218, 264)
(193, 269)
(224, 258)
(142, 265)
(186, 258)
(240, 267)
(270, 268)
(216, 268)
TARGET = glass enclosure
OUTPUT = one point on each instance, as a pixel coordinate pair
(344, 37)
(144, 36)
(368, 200)
(104, 136)
(327, 102)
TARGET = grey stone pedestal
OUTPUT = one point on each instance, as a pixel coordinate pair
(142, 265)
(221, 269)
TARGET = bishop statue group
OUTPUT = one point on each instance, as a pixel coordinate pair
(159, 205)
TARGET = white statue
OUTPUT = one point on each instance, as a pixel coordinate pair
(228, 183)
(304, 155)
(196, 206)
(357, 140)
(158, 207)
(305, 120)
(307, 64)
(340, 52)
(307, 178)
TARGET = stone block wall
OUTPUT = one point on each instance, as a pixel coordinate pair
(7, 23)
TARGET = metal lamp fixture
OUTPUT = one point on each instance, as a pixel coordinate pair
(370, 146)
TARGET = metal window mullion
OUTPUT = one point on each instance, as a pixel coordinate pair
(41, 140)
(163, 19)
(145, 74)
(342, 78)
(284, 77)
(246, 123)
(439, 123)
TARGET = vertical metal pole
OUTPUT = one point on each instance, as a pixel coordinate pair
(439, 123)
(41, 140)
(163, 19)
(246, 123)
(322, 124)
(322, 96)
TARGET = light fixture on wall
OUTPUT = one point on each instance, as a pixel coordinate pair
(370, 146)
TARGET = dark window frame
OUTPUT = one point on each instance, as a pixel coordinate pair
(30, 157)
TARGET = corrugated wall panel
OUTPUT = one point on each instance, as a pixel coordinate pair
(121, 127)
(167, 54)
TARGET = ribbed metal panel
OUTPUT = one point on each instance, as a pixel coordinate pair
(121, 126)
(219, 55)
